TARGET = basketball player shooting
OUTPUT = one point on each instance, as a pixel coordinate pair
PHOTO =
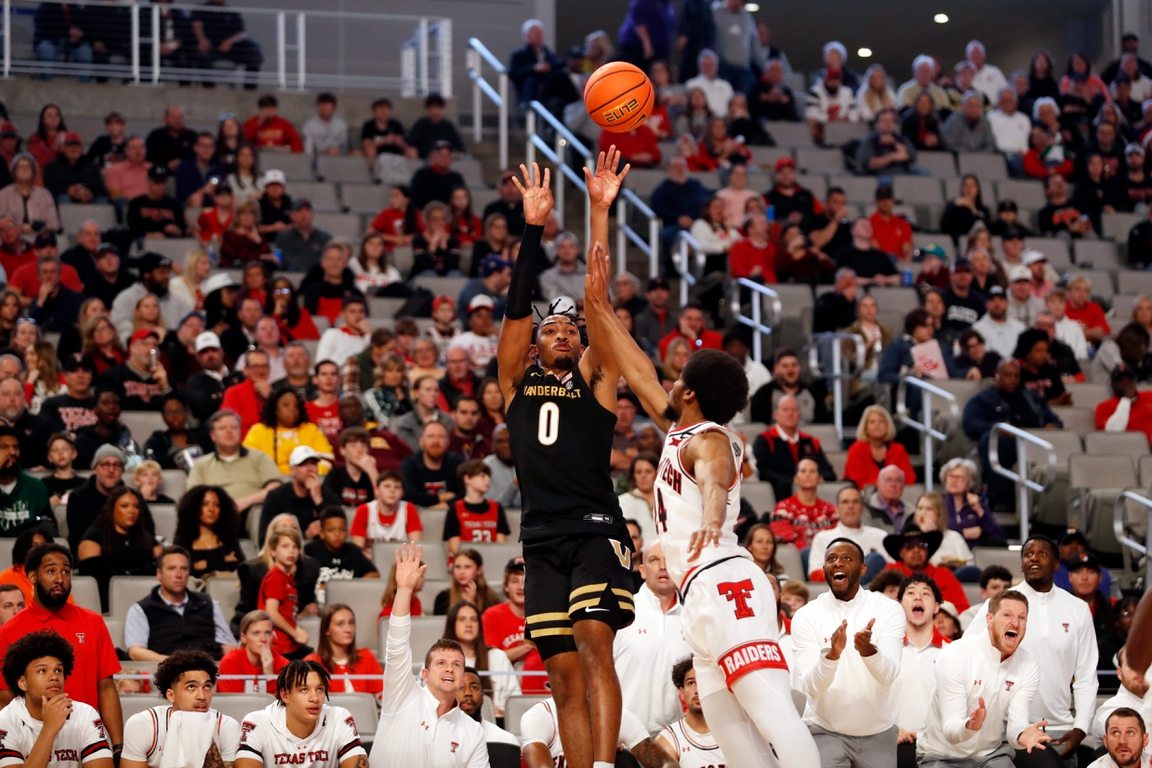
(577, 552)
(729, 608)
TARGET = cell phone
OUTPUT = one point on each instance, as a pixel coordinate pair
(155, 357)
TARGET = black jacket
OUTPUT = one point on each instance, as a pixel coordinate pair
(169, 630)
(60, 174)
(283, 500)
(205, 392)
(777, 464)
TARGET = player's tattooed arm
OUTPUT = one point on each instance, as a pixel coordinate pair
(651, 755)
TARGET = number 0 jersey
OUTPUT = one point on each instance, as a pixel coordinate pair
(562, 440)
(679, 509)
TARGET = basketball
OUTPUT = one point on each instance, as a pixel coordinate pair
(619, 97)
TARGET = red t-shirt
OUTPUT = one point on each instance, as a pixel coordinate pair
(27, 279)
(212, 227)
(278, 585)
(861, 469)
(798, 523)
(360, 520)
(235, 662)
(85, 631)
(327, 419)
(708, 340)
(502, 628)
(1139, 417)
(275, 132)
(367, 664)
(475, 527)
(12, 261)
(414, 609)
(891, 235)
(1091, 315)
(744, 256)
(390, 221)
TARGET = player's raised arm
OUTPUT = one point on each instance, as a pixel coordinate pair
(708, 457)
(516, 330)
(634, 365)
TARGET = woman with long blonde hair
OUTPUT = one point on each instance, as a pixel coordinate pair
(197, 267)
(146, 314)
(675, 358)
(42, 371)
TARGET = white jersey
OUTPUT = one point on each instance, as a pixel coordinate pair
(80, 741)
(145, 733)
(693, 750)
(264, 736)
(680, 507)
(539, 725)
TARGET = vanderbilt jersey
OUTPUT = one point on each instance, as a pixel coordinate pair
(145, 733)
(539, 725)
(679, 508)
(264, 736)
(562, 440)
(693, 750)
(80, 741)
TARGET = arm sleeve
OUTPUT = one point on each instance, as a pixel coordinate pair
(136, 628)
(412, 515)
(1021, 704)
(451, 523)
(814, 672)
(519, 304)
(1086, 683)
(251, 740)
(108, 663)
(348, 738)
(952, 701)
(228, 738)
(632, 731)
(502, 520)
(93, 744)
(398, 681)
(139, 732)
(815, 565)
(536, 727)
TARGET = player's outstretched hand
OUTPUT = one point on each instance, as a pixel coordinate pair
(408, 567)
(598, 277)
(537, 193)
(708, 535)
(606, 182)
(1033, 737)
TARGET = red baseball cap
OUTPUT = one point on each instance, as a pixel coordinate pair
(785, 162)
(436, 302)
(143, 333)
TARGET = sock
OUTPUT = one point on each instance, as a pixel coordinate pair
(603, 765)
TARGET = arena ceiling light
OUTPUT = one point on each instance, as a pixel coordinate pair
(940, 18)
(864, 53)
(751, 7)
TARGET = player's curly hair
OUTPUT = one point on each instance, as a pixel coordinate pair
(169, 672)
(680, 671)
(720, 384)
(295, 674)
(31, 647)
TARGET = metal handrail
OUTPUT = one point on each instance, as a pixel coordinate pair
(927, 431)
(684, 243)
(1119, 514)
(837, 375)
(477, 55)
(755, 322)
(1024, 485)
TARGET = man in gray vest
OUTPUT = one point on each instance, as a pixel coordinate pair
(172, 618)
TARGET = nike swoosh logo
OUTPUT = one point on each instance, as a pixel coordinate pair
(590, 610)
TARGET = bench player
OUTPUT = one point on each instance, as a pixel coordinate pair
(729, 613)
(544, 748)
(688, 740)
(561, 417)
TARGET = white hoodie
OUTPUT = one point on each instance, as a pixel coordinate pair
(966, 671)
(848, 696)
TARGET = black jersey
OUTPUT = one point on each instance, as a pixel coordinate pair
(562, 441)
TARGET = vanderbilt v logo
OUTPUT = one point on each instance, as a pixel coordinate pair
(623, 554)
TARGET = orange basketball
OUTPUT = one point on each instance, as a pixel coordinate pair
(619, 97)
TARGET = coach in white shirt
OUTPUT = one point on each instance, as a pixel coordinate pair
(920, 598)
(1126, 740)
(422, 727)
(847, 684)
(982, 682)
(647, 650)
(1133, 687)
(1061, 634)
(850, 510)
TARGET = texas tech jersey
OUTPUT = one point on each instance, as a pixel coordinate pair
(145, 732)
(562, 439)
(539, 725)
(264, 736)
(81, 740)
(679, 509)
(693, 750)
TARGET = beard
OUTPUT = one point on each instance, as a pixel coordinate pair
(160, 291)
(670, 413)
(11, 415)
(564, 362)
(48, 600)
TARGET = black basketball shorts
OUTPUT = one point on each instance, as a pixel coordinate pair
(574, 578)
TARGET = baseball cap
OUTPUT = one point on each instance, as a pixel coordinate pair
(1084, 560)
(442, 144)
(515, 565)
(950, 609)
(962, 265)
(143, 333)
(158, 174)
(1007, 205)
(106, 248)
(659, 283)
(436, 302)
(832, 72)
(107, 451)
(785, 162)
(1071, 536)
(217, 281)
(207, 340)
(301, 454)
(1032, 256)
(1133, 149)
(9, 129)
(1020, 273)
(884, 192)
(300, 203)
(1122, 372)
(77, 361)
(493, 263)
(274, 176)
(72, 137)
(506, 177)
(45, 239)
(996, 291)
(481, 301)
(151, 261)
(1012, 233)
(1122, 77)
(930, 250)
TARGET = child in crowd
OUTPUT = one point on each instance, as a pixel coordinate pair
(793, 596)
(444, 327)
(63, 480)
(388, 518)
(278, 595)
(401, 221)
(338, 558)
(474, 519)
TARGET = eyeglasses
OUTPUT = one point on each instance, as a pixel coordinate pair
(110, 464)
(915, 545)
(282, 292)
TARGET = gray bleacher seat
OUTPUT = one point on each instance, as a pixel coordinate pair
(239, 705)
(1095, 480)
(381, 307)
(1102, 284)
(858, 189)
(643, 181)
(434, 556)
(433, 522)
(471, 170)
(73, 215)
(1100, 254)
(820, 160)
(838, 460)
(364, 198)
(443, 286)
(6, 553)
(115, 631)
(766, 157)
(123, 591)
(987, 189)
(1025, 192)
(343, 168)
(175, 248)
(296, 166)
(936, 163)
(825, 433)
(986, 165)
(321, 193)
(918, 190)
(135, 703)
(760, 496)
(986, 556)
(1133, 282)
(816, 183)
(1128, 443)
(1115, 226)
(839, 133)
(225, 590)
(1064, 442)
(311, 625)
(402, 258)
(175, 483)
(924, 239)
(142, 424)
(86, 593)
(362, 707)
(516, 706)
(827, 491)
(496, 556)
(1086, 395)
(426, 630)
(1145, 467)
(1078, 420)
(311, 345)
(1055, 249)
(897, 299)
(750, 429)
(340, 224)
(789, 134)
(164, 518)
(363, 597)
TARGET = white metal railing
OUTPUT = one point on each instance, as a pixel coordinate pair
(313, 48)
(926, 428)
(837, 375)
(476, 56)
(556, 154)
(761, 293)
(1119, 520)
(1024, 485)
(683, 250)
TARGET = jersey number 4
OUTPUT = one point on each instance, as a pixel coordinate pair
(549, 428)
